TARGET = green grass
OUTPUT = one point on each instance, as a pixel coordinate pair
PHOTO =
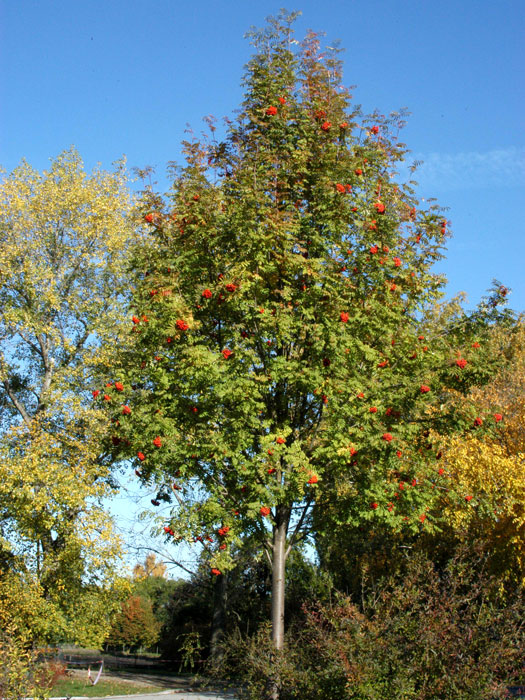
(70, 686)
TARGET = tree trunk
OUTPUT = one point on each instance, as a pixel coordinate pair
(278, 583)
(278, 589)
(218, 625)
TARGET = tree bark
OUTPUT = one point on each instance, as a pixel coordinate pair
(278, 583)
(280, 530)
(218, 625)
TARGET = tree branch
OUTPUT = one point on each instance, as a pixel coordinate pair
(12, 396)
(48, 370)
(171, 561)
(294, 536)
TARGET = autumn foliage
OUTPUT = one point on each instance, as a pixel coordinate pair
(63, 234)
(134, 626)
(488, 469)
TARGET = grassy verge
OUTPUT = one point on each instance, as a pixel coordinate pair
(65, 687)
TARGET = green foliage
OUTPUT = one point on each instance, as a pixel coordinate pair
(186, 608)
(160, 592)
(187, 616)
(284, 353)
(190, 649)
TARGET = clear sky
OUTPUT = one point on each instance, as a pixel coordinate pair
(115, 77)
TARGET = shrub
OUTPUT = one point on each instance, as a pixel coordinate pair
(22, 673)
(427, 634)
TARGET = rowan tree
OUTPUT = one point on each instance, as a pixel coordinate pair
(283, 353)
(63, 236)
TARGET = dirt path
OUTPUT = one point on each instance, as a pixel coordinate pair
(181, 687)
(145, 678)
(179, 695)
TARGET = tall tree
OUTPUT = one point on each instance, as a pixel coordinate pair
(63, 234)
(283, 352)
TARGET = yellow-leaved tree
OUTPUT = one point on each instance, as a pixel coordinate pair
(63, 239)
(151, 567)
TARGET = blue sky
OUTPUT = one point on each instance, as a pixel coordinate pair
(116, 77)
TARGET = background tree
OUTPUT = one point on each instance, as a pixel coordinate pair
(188, 609)
(150, 568)
(135, 626)
(150, 583)
(285, 358)
(489, 469)
(63, 237)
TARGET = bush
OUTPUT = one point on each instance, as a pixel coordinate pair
(428, 634)
(22, 673)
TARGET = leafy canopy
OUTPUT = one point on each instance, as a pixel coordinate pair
(63, 236)
(283, 351)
